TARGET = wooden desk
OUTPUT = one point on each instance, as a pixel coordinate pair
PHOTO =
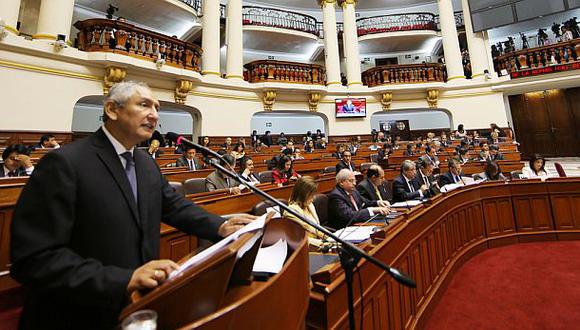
(430, 242)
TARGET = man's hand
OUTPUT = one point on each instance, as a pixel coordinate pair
(384, 203)
(423, 188)
(151, 275)
(235, 191)
(24, 161)
(381, 210)
(233, 224)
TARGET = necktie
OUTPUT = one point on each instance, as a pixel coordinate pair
(130, 172)
(353, 202)
(378, 194)
(426, 180)
(12, 173)
(189, 161)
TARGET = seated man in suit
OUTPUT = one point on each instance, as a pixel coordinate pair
(453, 175)
(153, 149)
(189, 160)
(345, 162)
(424, 176)
(16, 162)
(484, 154)
(431, 154)
(373, 187)
(47, 141)
(405, 187)
(411, 148)
(86, 229)
(346, 205)
(217, 180)
(494, 153)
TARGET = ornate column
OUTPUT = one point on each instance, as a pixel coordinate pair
(476, 45)
(54, 18)
(331, 54)
(350, 40)
(9, 10)
(235, 50)
(210, 38)
(450, 41)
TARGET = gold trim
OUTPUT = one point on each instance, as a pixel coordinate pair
(333, 83)
(12, 29)
(205, 73)
(456, 77)
(221, 96)
(44, 36)
(467, 95)
(234, 76)
(477, 75)
(51, 71)
(355, 83)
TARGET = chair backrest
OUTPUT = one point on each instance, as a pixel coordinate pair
(366, 166)
(560, 170)
(516, 174)
(194, 186)
(178, 187)
(329, 169)
(321, 206)
(265, 177)
(260, 208)
(375, 158)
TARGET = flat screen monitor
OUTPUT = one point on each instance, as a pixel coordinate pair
(351, 108)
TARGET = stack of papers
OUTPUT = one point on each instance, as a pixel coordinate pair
(355, 234)
(407, 204)
(271, 259)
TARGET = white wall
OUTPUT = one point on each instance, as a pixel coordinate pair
(289, 123)
(419, 119)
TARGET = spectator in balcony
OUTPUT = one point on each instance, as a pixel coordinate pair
(283, 173)
(535, 168)
(460, 133)
(247, 170)
(16, 162)
(282, 139)
(267, 139)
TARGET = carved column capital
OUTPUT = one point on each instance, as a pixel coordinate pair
(386, 100)
(182, 89)
(113, 75)
(327, 2)
(313, 100)
(343, 3)
(432, 98)
(268, 99)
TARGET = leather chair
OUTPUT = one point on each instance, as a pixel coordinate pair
(265, 177)
(321, 205)
(516, 174)
(329, 169)
(260, 208)
(560, 170)
(194, 186)
(366, 166)
(178, 187)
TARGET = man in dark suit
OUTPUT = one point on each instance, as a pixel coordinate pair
(47, 141)
(494, 153)
(218, 181)
(189, 160)
(405, 187)
(16, 162)
(86, 229)
(453, 175)
(373, 187)
(345, 162)
(425, 176)
(346, 205)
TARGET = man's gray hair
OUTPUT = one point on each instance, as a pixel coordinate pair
(121, 92)
(407, 165)
(343, 175)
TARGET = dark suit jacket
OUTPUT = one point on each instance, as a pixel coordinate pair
(78, 233)
(341, 211)
(342, 165)
(446, 178)
(367, 190)
(401, 190)
(19, 171)
(182, 161)
(433, 190)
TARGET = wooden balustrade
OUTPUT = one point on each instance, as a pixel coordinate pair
(404, 74)
(104, 35)
(539, 57)
(287, 72)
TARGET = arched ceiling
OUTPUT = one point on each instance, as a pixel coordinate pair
(361, 4)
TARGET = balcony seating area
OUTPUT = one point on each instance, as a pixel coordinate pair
(404, 74)
(280, 71)
(396, 23)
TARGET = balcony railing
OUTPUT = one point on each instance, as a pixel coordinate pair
(459, 23)
(104, 35)
(279, 71)
(398, 22)
(271, 17)
(404, 74)
(195, 4)
(539, 57)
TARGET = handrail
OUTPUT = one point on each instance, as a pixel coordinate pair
(281, 71)
(195, 4)
(404, 74)
(395, 22)
(104, 35)
(271, 17)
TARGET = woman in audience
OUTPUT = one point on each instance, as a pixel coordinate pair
(460, 133)
(239, 151)
(284, 173)
(536, 168)
(205, 141)
(301, 201)
(296, 155)
(309, 146)
(492, 172)
(247, 170)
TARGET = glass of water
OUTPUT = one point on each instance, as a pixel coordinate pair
(141, 320)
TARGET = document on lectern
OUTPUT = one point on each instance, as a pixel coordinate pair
(255, 225)
(271, 259)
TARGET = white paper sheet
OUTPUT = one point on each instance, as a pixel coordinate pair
(276, 210)
(354, 233)
(271, 259)
(406, 204)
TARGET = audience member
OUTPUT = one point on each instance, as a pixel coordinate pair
(16, 161)
(411, 147)
(321, 143)
(346, 205)
(296, 155)
(301, 201)
(283, 173)
(460, 133)
(206, 142)
(218, 181)
(254, 138)
(238, 151)
(493, 138)
(340, 148)
(494, 153)
(373, 187)
(267, 139)
(319, 134)
(535, 168)
(405, 187)
(47, 141)
(228, 144)
(309, 146)
(384, 153)
(189, 160)
(355, 144)
(282, 139)
(461, 155)
(431, 154)
(381, 137)
(346, 162)
(454, 174)
(492, 172)
(484, 154)
(247, 170)
(153, 149)
(495, 128)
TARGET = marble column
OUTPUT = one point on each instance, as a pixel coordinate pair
(350, 43)
(450, 41)
(331, 54)
(210, 38)
(476, 45)
(235, 49)
(54, 18)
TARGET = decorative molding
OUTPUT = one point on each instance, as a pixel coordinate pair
(113, 75)
(313, 100)
(327, 2)
(182, 90)
(432, 98)
(386, 100)
(35, 68)
(268, 99)
(213, 73)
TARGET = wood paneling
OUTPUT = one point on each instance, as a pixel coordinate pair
(30, 138)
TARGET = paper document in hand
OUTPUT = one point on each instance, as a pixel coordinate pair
(406, 204)
(271, 259)
(252, 226)
(354, 234)
(276, 210)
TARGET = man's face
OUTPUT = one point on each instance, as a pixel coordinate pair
(12, 161)
(250, 165)
(229, 141)
(485, 147)
(51, 142)
(346, 156)
(377, 181)
(349, 184)
(493, 152)
(290, 145)
(428, 170)
(456, 169)
(411, 173)
(190, 153)
(138, 117)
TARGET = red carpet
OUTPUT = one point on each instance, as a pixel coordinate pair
(521, 286)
